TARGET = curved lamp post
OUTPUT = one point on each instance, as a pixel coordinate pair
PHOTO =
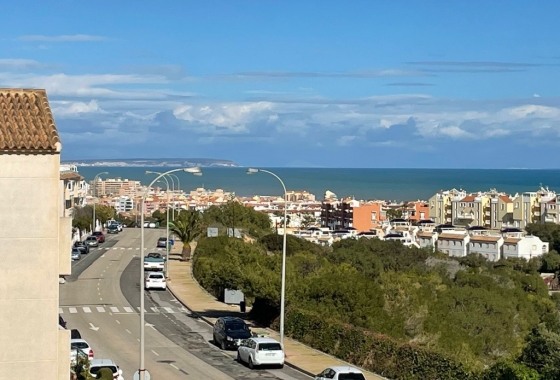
(178, 188)
(141, 369)
(166, 223)
(95, 191)
(283, 286)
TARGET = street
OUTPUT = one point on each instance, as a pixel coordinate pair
(101, 300)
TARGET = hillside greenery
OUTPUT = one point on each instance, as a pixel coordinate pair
(405, 313)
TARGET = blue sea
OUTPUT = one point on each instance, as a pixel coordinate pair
(387, 184)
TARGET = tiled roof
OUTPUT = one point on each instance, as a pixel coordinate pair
(425, 234)
(451, 237)
(506, 199)
(469, 198)
(485, 238)
(512, 240)
(26, 123)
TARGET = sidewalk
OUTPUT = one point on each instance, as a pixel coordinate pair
(189, 293)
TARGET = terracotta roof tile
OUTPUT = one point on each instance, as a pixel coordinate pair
(512, 240)
(506, 199)
(425, 234)
(26, 123)
(468, 198)
(485, 238)
(71, 175)
(451, 236)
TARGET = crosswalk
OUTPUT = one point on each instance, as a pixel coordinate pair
(119, 310)
(124, 249)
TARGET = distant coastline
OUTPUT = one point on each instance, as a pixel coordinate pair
(154, 162)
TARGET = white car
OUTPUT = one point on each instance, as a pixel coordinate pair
(97, 364)
(261, 351)
(155, 281)
(82, 345)
(341, 373)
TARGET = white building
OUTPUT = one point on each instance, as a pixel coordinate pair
(123, 204)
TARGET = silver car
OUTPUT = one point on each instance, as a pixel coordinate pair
(76, 254)
(92, 241)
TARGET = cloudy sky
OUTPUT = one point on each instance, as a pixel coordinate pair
(295, 83)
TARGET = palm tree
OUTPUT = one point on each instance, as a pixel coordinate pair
(187, 226)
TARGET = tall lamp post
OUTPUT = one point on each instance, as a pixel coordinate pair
(166, 224)
(178, 188)
(94, 192)
(141, 369)
(283, 286)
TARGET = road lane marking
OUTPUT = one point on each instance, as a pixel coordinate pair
(114, 309)
(128, 309)
(155, 353)
(117, 321)
(123, 248)
(169, 310)
(137, 249)
(108, 248)
(139, 309)
(60, 311)
(174, 366)
(86, 309)
(128, 331)
(72, 310)
(100, 309)
(115, 248)
(155, 309)
(129, 248)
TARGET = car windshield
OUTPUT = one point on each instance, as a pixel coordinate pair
(92, 238)
(351, 376)
(235, 327)
(95, 370)
(270, 347)
(162, 239)
(80, 345)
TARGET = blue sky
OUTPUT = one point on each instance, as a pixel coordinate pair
(295, 83)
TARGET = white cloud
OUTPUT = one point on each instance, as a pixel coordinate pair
(21, 64)
(65, 108)
(62, 38)
(345, 140)
(455, 132)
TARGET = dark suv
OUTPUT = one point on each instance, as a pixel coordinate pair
(230, 331)
(82, 246)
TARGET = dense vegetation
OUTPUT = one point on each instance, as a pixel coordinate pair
(405, 313)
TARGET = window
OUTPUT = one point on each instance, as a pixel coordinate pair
(516, 204)
(270, 347)
(433, 203)
(78, 345)
(351, 376)
(422, 215)
(373, 216)
(502, 206)
(486, 245)
(95, 370)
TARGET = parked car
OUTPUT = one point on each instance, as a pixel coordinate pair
(81, 344)
(92, 241)
(155, 281)
(99, 235)
(75, 334)
(113, 229)
(230, 331)
(82, 246)
(261, 351)
(76, 254)
(341, 373)
(154, 261)
(97, 365)
(162, 242)
(111, 223)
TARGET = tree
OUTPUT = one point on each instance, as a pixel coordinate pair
(187, 226)
(542, 352)
(307, 220)
(550, 262)
(394, 213)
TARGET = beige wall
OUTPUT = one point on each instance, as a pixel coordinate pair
(29, 248)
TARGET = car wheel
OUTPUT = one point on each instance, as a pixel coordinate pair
(250, 363)
(281, 366)
(214, 339)
(238, 359)
(223, 345)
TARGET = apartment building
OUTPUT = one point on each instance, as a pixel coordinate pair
(112, 186)
(33, 257)
(416, 211)
(441, 205)
(123, 204)
(299, 196)
(549, 210)
(350, 213)
(74, 189)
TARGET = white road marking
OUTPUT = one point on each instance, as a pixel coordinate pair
(128, 309)
(117, 321)
(115, 248)
(155, 353)
(86, 309)
(137, 249)
(139, 309)
(169, 310)
(114, 309)
(100, 309)
(123, 248)
(138, 339)
(129, 248)
(128, 331)
(72, 310)
(60, 311)
(108, 248)
(174, 366)
(155, 309)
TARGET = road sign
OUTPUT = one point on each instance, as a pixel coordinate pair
(137, 375)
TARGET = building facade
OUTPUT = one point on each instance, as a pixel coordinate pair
(31, 345)
(112, 186)
(75, 189)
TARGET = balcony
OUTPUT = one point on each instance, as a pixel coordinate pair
(487, 213)
(465, 215)
(536, 213)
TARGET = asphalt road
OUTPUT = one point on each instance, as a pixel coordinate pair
(101, 300)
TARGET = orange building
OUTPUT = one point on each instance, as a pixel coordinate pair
(417, 211)
(363, 216)
(368, 216)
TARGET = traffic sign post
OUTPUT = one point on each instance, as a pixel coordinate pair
(137, 375)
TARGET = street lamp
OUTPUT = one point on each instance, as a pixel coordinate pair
(178, 188)
(283, 286)
(166, 224)
(94, 191)
(141, 369)
(172, 184)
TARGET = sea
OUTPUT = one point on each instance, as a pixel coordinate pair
(363, 184)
